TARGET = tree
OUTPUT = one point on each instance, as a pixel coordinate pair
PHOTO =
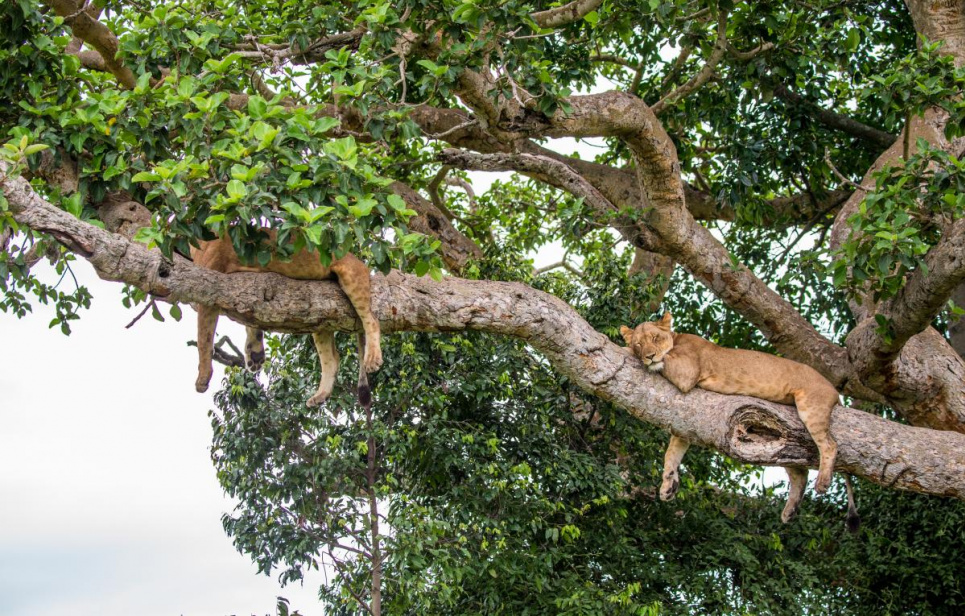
(503, 455)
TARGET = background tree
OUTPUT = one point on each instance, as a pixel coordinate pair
(782, 176)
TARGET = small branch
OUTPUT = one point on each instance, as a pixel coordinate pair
(97, 35)
(840, 176)
(235, 360)
(467, 124)
(702, 77)
(559, 264)
(275, 54)
(835, 120)
(677, 67)
(466, 187)
(143, 312)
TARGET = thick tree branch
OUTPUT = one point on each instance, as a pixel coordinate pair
(617, 114)
(563, 177)
(925, 382)
(457, 249)
(747, 429)
(97, 35)
(913, 309)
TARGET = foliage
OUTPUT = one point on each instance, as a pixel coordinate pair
(899, 221)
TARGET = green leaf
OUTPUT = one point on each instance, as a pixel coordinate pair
(343, 149)
(853, 39)
(236, 190)
(33, 149)
(363, 207)
(146, 176)
(396, 202)
(257, 107)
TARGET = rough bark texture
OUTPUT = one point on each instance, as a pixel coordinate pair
(97, 35)
(750, 430)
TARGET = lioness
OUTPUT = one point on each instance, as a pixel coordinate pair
(688, 361)
(352, 276)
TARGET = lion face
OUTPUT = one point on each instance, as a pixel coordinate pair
(650, 341)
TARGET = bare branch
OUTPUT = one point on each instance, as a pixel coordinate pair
(275, 54)
(97, 35)
(744, 56)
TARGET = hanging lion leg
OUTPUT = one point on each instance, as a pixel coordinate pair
(353, 277)
(207, 323)
(797, 481)
(328, 364)
(671, 463)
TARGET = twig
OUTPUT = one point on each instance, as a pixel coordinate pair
(747, 55)
(705, 73)
(141, 314)
(446, 133)
(827, 159)
(223, 357)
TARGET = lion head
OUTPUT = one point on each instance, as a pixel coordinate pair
(650, 341)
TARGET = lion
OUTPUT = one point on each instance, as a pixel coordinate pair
(689, 361)
(352, 276)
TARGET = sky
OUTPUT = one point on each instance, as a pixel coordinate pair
(109, 502)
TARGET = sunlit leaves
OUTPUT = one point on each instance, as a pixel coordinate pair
(898, 222)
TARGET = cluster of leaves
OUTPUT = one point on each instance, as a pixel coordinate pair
(898, 222)
(925, 79)
(16, 281)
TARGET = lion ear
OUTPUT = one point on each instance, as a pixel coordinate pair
(665, 322)
(627, 333)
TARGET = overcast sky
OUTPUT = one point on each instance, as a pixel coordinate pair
(109, 502)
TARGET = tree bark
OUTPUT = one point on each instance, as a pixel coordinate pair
(747, 429)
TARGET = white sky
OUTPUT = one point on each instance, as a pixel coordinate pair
(108, 499)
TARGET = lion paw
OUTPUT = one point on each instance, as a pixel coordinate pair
(668, 489)
(789, 512)
(318, 399)
(201, 385)
(822, 484)
(373, 359)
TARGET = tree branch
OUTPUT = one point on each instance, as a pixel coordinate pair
(747, 429)
(705, 73)
(566, 14)
(622, 115)
(836, 121)
(97, 35)
(913, 309)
